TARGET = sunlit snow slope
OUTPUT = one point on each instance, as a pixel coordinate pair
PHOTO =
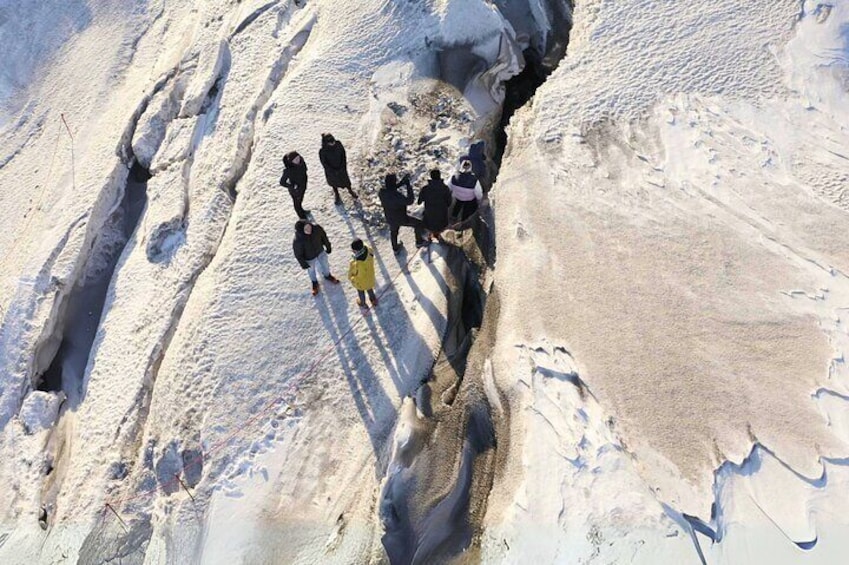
(170, 390)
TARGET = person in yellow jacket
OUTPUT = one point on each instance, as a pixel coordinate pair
(361, 273)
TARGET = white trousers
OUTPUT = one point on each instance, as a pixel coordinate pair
(322, 264)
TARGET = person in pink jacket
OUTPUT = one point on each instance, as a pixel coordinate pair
(466, 190)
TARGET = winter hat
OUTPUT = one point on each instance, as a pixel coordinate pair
(299, 226)
(390, 181)
(327, 138)
(435, 174)
(357, 244)
(287, 159)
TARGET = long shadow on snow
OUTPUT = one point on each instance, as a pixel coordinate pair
(374, 405)
(436, 317)
(392, 316)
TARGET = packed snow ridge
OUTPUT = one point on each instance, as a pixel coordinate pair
(653, 369)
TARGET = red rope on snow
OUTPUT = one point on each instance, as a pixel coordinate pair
(73, 154)
(66, 126)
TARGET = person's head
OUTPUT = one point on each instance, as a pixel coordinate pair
(357, 245)
(307, 228)
(390, 181)
(290, 157)
(299, 226)
(328, 139)
(465, 166)
(435, 174)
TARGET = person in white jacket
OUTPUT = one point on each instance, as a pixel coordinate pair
(466, 190)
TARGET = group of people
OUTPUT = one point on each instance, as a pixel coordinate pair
(335, 162)
(443, 204)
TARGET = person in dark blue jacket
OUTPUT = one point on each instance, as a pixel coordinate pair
(477, 155)
(311, 247)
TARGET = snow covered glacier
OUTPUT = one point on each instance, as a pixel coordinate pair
(646, 364)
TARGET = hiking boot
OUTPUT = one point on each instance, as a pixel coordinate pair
(354, 195)
(398, 248)
(314, 288)
(374, 301)
(337, 201)
(332, 279)
(362, 304)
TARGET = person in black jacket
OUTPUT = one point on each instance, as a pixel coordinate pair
(395, 208)
(437, 200)
(295, 179)
(311, 248)
(335, 162)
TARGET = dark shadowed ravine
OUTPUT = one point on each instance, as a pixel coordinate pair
(447, 450)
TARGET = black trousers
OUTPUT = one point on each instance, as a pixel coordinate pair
(371, 295)
(336, 191)
(465, 208)
(298, 201)
(409, 221)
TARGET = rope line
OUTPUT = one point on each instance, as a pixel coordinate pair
(73, 155)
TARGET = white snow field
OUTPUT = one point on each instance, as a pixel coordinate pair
(656, 344)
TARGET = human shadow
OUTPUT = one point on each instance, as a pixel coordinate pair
(388, 361)
(391, 318)
(436, 317)
(376, 409)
